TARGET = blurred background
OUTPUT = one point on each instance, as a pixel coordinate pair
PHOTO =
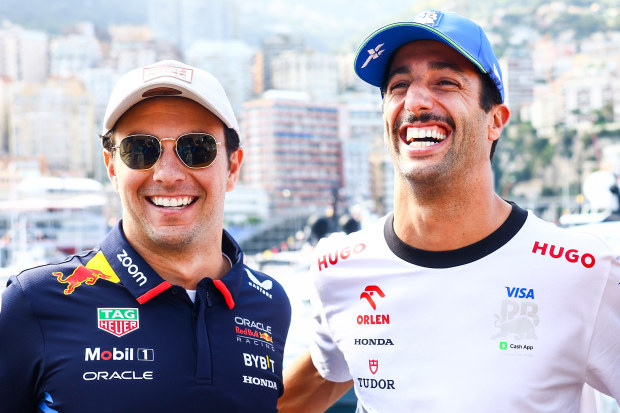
(312, 131)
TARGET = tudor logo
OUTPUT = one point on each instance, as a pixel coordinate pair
(373, 365)
(368, 293)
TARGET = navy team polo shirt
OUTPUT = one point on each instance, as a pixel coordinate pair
(102, 332)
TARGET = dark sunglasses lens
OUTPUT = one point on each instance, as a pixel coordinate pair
(140, 152)
(197, 150)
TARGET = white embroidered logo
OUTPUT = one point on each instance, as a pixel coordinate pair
(373, 54)
(429, 17)
(181, 73)
(267, 284)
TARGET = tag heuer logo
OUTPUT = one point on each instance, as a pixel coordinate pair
(118, 321)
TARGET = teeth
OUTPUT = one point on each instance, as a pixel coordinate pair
(410, 136)
(414, 133)
(171, 202)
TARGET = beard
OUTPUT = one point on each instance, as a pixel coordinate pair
(431, 175)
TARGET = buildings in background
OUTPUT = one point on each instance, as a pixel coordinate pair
(44, 218)
(54, 120)
(303, 154)
(293, 151)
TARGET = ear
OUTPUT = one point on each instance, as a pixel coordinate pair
(499, 118)
(236, 159)
(109, 166)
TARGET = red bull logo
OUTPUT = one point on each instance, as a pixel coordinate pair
(266, 337)
(80, 276)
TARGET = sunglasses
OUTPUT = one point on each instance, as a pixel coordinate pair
(195, 150)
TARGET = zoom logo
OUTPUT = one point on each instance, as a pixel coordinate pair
(132, 268)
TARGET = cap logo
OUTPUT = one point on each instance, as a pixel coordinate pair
(373, 54)
(181, 73)
(429, 18)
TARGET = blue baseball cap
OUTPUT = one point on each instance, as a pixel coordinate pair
(458, 32)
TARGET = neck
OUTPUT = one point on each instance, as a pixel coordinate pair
(186, 265)
(447, 217)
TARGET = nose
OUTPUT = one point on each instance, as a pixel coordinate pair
(169, 168)
(418, 99)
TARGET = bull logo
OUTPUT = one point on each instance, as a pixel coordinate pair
(266, 337)
(368, 293)
(373, 365)
(518, 320)
(79, 276)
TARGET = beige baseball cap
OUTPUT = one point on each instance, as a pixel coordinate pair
(169, 78)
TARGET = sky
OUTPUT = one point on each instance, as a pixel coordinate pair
(327, 25)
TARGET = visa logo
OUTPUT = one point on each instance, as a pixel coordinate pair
(515, 292)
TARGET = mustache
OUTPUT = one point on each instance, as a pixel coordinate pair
(424, 117)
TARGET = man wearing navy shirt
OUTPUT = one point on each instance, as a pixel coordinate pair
(163, 315)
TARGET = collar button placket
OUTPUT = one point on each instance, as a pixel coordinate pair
(204, 374)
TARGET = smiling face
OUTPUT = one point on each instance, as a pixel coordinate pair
(436, 131)
(171, 205)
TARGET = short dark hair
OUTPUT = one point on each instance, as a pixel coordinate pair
(231, 141)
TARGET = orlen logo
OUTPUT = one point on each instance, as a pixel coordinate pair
(132, 268)
(368, 293)
(571, 255)
(333, 258)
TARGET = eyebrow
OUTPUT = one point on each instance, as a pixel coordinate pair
(438, 65)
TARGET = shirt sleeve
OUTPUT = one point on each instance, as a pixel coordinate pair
(21, 352)
(326, 356)
(603, 369)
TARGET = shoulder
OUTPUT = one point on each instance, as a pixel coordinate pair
(36, 277)
(266, 285)
(366, 236)
(573, 245)
(579, 236)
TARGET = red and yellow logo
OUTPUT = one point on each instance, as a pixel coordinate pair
(95, 269)
(266, 337)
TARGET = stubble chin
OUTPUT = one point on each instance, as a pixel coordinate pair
(171, 237)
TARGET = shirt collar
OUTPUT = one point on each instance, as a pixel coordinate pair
(144, 283)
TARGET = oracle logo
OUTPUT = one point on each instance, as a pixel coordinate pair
(570, 255)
